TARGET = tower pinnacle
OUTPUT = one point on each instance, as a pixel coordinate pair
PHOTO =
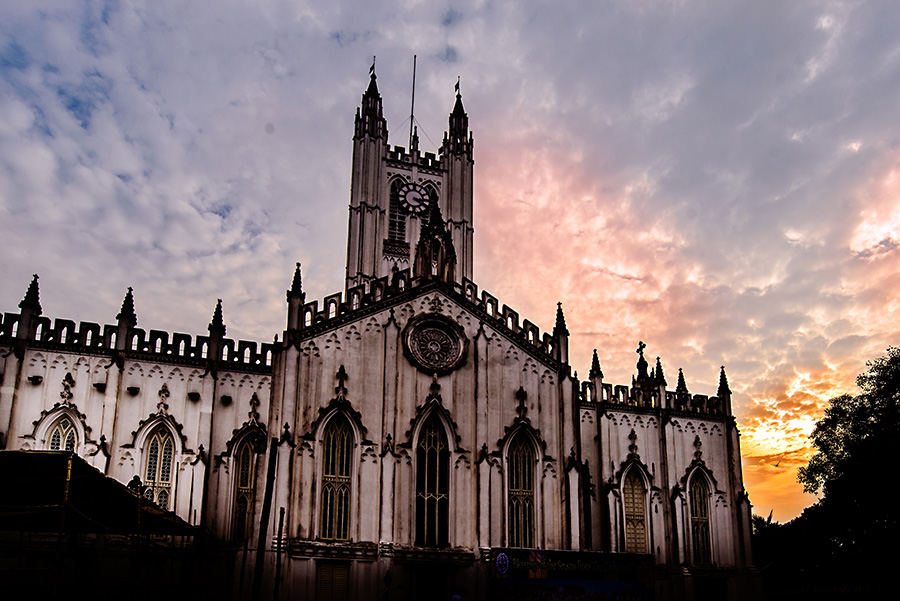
(32, 297)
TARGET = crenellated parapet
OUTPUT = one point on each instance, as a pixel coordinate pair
(376, 295)
(155, 345)
(426, 160)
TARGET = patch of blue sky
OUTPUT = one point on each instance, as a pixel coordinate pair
(93, 22)
(13, 56)
(82, 100)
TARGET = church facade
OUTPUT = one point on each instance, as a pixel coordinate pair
(408, 437)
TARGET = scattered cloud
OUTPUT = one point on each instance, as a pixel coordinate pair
(716, 179)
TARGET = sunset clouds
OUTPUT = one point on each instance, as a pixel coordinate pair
(718, 179)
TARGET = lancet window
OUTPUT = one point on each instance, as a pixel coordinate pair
(700, 538)
(520, 491)
(158, 474)
(63, 436)
(396, 215)
(337, 447)
(244, 490)
(432, 485)
(633, 497)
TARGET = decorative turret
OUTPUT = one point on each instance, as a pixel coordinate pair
(30, 311)
(127, 320)
(596, 377)
(458, 140)
(370, 119)
(682, 395)
(295, 299)
(457, 159)
(435, 255)
(724, 392)
(561, 335)
(660, 377)
(216, 333)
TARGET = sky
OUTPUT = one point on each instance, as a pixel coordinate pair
(717, 179)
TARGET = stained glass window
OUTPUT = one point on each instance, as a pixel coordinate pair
(244, 490)
(337, 447)
(520, 483)
(432, 485)
(700, 538)
(63, 437)
(633, 496)
(158, 473)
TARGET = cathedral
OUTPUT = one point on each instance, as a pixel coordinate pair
(409, 437)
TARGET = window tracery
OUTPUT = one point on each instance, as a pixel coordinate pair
(520, 491)
(699, 505)
(63, 436)
(244, 490)
(158, 473)
(634, 500)
(432, 485)
(337, 446)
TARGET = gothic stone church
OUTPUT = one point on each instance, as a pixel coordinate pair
(409, 437)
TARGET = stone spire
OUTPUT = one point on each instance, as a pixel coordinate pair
(560, 326)
(297, 285)
(217, 325)
(458, 135)
(126, 315)
(724, 390)
(29, 311)
(681, 388)
(370, 119)
(561, 334)
(595, 372)
(295, 298)
(32, 301)
(660, 376)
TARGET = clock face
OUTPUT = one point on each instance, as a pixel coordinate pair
(413, 198)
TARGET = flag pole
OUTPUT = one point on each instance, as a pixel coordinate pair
(412, 107)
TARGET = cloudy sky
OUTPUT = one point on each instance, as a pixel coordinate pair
(718, 179)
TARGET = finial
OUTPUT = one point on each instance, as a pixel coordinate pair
(660, 376)
(126, 313)
(681, 387)
(32, 297)
(640, 348)
(595, 372)
(217, 325)
(560, 327)
(724, 390)
(458, 95)
(296, 290)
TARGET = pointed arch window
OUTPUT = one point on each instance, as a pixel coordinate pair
(700, 539)
(396, 216)
(634, 496)
(520, 481)
(63, 436)
(337, 446)
(158, 473)
(244, 490)
(432, 485)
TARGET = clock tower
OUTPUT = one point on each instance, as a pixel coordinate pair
(397, 195)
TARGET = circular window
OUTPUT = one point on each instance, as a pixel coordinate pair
(434, 343)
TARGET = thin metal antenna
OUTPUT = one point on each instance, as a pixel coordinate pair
(412, 108)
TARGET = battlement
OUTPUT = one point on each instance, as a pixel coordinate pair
(428, 160)
(611, 396)
(338, 308)
(88, 337)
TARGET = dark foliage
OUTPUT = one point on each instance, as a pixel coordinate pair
(844, 546)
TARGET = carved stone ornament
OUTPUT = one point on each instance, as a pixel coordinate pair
(434, 343)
